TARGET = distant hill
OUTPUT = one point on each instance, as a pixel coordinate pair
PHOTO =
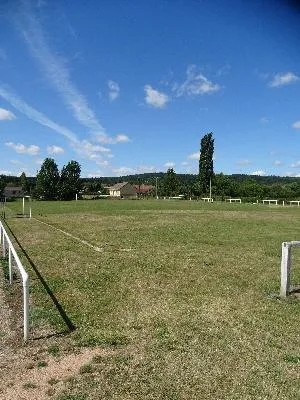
(150, 179)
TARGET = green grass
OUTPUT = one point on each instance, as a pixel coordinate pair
(182, 293)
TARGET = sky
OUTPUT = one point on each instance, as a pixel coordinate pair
(128, 86)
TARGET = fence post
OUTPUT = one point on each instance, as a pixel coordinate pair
(10, 264)
(285, 269)
(26, 308)
(3, 244)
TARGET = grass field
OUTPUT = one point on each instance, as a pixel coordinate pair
(185, 292)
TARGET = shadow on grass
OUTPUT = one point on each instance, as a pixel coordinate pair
(71, 327)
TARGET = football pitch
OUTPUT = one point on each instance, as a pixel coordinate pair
(185, 291)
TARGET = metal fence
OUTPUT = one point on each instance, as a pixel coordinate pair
(13, 259)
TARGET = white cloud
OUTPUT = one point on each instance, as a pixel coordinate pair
(6, 115)
(7, 94)
(295, 164)
(155, 98)
(194, 156)
(184, 163)
(84, 148)
(56, 71)
(244, 162)
(122, 138)
(39, 161)
(6, 172)
(15, 162)
(102, 138)
(114, 90)
(142, 169)
(195, 84)
(264, 120)
(258, 173)
(55, 150)
(97, 174)
(223, 70)
(90, 147)
(31, 150)
(296, 125)
(123, 170)
(169, 164)
(283, 79)
(277, 163)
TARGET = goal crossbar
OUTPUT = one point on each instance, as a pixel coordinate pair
(7, 246)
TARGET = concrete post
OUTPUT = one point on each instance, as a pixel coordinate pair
(285, 269)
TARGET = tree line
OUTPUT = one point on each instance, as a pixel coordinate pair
(52, 184)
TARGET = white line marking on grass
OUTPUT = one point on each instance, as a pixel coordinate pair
(99, 249)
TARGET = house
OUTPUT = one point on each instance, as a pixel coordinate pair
(13, 191)
(144, 190)
(123, 190)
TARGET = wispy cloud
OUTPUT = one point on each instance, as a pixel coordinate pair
(97, 174)
(224, 70)
(169, 164)
(258, 173)
(55, 150)
(31, 150)
(90, 147)
(19, 104)
(264, 120)
(54, 67)
(142, 169)
(244, 163)
(123, 170)
(155, 98)
(114, 90)
(194, 156)
(101, 138)
(277, 163)
(283, 79)
(295, 164)
(296, 125)
(6, 115)
(195, 84)
(84, 148)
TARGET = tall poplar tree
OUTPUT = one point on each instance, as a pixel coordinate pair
(206, 164)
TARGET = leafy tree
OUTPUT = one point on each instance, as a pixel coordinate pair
(170, 183)
(206, 164)
(24, 182)
(2, 185)
(222, 185)
(70, 181)
(47, 180)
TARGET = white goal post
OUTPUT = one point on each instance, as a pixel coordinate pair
(7, 247)
(286, 267)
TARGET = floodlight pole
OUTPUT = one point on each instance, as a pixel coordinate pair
(23, 206)
(210, 188)
(156, 178)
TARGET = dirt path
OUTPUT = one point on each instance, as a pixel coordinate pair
(7, 335)
(34, 382)
(32, 372)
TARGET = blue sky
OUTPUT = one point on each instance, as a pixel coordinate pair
(132, 86)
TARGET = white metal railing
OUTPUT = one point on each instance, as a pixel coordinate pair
(286, 266)
(6, 244)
